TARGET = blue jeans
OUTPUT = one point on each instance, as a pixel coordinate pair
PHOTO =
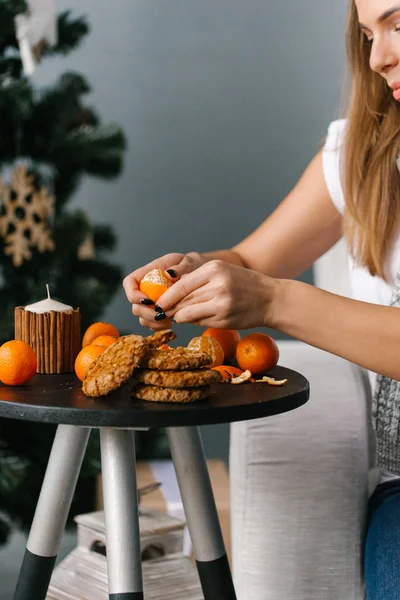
(382, 546)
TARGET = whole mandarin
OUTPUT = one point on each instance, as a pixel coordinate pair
(96, 329)
(18, 362)
(85, 358)
(104, 340)
(257, 352)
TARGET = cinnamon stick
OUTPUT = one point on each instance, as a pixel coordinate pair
(21, 325)
(32, 332)
(18, 313)
(46, 342)
(77, 313)
(53, 342)
(66, 342)
(40, 330)
(60, 338)
(71, 342)
(26, 326)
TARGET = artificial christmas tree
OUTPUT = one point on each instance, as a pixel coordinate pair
(49, 139)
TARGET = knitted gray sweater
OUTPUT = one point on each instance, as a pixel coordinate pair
(386, 412)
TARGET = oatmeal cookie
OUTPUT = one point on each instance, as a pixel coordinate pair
(159, 338)
(176, 359)
(115, 365)
(154, 393)
(177, 379)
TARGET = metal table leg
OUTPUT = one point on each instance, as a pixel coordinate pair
(201, 513)
(121, 514)
(51, 512)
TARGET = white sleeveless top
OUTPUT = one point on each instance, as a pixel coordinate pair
(364, 286)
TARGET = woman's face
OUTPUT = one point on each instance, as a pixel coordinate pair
(380, 23)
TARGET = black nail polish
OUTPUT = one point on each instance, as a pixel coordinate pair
(146, 301)
(160, 316)
(172, 272)
(158, 308)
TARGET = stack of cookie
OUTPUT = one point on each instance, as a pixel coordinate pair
(173, 374)
(159, 374)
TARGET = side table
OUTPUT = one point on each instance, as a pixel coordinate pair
(59, 399)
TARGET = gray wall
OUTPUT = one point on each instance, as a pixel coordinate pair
(223, 103)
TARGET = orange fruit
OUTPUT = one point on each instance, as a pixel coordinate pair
(154, 284)
(211, 346)
(257, 352)
(18, 362)
(228, 338)
(85, 358)
(96, 329)
(104, 340)
(228, 372)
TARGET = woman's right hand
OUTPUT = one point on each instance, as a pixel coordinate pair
(175, 266)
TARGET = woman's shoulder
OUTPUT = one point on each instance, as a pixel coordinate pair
(332, 163)
(335, 135)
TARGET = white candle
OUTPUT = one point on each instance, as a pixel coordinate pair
(47, 305)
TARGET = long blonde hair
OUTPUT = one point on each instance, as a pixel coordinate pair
(371, 180)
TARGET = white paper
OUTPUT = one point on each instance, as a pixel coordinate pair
(40, 23)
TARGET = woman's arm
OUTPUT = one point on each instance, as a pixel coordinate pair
(363, 333)
(304, 226)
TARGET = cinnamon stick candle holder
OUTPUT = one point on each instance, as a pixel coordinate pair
(55, 337)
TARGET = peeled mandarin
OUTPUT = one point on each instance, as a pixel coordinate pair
(210, 346)
(228, 338)
(154, 284)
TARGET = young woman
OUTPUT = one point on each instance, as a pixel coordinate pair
(350, 188)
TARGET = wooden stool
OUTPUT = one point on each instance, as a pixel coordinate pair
(59, 399)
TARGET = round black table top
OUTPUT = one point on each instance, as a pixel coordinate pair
(60, 399)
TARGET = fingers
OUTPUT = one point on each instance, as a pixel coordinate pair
(187, 285)
(147, 318)
(202, 314)
(156, 326)
(187, 264)
(192, 298)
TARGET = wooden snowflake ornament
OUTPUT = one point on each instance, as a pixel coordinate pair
(24, 216)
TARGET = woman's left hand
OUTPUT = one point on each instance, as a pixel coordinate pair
(219, 294)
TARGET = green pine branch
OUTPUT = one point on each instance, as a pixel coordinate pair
(12, 472)
(70, 34)
(16, 100)
(64, 139)
(95, 150)
(9, 9)
(63, 131)
(32, 442)
(104, 238)
(10, 66)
